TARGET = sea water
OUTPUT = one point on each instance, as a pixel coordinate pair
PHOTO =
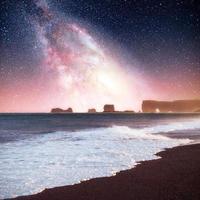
(39, 151)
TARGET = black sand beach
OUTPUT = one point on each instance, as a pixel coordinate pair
(176, 176)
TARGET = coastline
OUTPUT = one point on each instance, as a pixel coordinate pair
(176, 175)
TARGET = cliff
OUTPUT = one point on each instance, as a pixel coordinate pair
(59, 110)
(171, 106)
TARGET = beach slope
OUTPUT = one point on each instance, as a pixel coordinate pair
(176, 176)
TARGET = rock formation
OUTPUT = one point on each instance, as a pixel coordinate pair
(69, 110)
(92, 110)
(59, 110)
(129, 111)
(150, 106)
(109, 108)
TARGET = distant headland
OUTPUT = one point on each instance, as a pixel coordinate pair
(148, 106)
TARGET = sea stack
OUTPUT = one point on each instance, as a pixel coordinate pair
(109, 108)
(59, 110)
(92, 110)
(69, 110)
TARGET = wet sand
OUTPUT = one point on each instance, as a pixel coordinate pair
(176, 176)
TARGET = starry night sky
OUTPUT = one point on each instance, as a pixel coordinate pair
(156, 41)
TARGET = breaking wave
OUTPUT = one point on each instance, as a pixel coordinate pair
(149, 133)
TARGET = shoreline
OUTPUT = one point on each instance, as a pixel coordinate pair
(99, 113)
(175, 175)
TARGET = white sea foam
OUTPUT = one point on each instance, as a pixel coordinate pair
(61, 158)
(152, 132)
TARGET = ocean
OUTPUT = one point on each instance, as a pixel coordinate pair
(39, 151)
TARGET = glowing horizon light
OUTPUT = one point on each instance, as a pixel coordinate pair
(83, 70)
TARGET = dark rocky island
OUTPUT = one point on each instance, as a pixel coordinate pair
(109, 108)
(129, 111)
(150, 106)
(92, 110)
(59, 110)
